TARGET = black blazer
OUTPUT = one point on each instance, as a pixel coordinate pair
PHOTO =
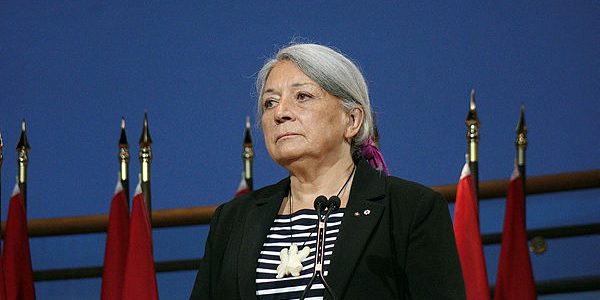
(396, 242)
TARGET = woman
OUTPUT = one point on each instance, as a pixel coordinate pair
(390, 238)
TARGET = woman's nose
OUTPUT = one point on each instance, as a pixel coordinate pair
(283, 111)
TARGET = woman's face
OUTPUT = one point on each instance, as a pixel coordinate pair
(300, 119)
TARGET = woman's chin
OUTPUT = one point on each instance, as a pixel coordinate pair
(288, 159)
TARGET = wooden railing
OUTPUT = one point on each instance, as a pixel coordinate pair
(201, 215)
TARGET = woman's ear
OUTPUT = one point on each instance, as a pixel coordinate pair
(356, 117)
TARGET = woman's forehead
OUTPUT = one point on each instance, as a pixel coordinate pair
(287, 74)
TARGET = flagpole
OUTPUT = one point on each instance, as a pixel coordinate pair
(124, 161)
(248, 155)
(145, 156)
(1, 160)
(521, 143)
(22, 161)
(472, 123)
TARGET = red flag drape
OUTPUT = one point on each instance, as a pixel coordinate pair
(2, 286)
(115, 253)
(242, 187)
(468, 238)
(140, 276)
(515, 276)
(18, 273)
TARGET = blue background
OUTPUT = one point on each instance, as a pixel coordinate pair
(73, 69)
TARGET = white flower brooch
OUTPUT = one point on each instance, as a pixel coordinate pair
(291, 261)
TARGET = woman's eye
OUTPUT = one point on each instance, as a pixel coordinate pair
(303, 96)
(269, 103)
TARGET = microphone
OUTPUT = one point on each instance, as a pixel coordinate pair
(333, 203)
(322, 203)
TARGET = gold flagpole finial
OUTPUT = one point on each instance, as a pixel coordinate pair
(473, 124)
(124, 152)
(145, 156)
(521, 140)
(22, 161)
(248, 155)
(145, 138)
(247, 136)
(23, 143)
(124, 157)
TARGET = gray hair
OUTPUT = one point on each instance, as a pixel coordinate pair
(334, 72)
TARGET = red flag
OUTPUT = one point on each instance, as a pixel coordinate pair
(243, 187)
(115, 253)
(515, 277)
(468, 238)
(140, 277)
(2, 286)
(18, 273)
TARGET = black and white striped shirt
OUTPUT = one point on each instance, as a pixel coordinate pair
(299, 228)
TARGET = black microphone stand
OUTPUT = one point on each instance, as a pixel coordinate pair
(330, 205)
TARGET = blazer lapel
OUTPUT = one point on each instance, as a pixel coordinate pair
(361, 216)
(258, 222)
